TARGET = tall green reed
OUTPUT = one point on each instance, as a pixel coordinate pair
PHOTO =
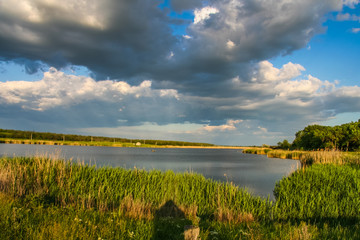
(105, 189)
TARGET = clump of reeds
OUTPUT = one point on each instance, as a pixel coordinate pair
(83, 202)
(308, 158)
(318, 192)
(262, 151)
(285, 154)
(329, 157)
(137, 192)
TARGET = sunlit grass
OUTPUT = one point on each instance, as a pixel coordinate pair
(43, 198)
(312, 157)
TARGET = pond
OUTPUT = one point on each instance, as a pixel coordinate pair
(257, 173)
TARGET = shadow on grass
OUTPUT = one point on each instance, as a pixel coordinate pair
(169, 222)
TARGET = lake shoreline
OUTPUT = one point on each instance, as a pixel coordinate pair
(107, 144)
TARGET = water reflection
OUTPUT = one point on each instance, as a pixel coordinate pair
(256, 172)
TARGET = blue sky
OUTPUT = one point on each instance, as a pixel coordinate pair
(233, 72)
(332, 55)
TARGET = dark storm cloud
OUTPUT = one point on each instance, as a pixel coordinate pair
(124, 39)
(245, 32)
(182, 5)
(112, 38)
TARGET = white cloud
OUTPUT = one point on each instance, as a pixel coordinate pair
(59, 89)
(171, 55)
(87, 13)
(260, 130)
(229, 126)
(351, 92)
(310, 87)
(355, 30)
(347, 16)
(351, 3)
(258, 29)
(268, 73)
(230, 44)
(276, 95)
(203, 14)
(343, 16)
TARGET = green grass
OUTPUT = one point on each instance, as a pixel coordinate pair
(310, 157)
(320, 192)
(259, 150)
(42, 198)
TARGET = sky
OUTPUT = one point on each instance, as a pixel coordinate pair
(228, 72)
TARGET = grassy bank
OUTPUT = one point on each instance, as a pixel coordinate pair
(52, 199)
(310, 157)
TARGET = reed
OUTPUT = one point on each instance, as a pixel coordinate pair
(106, 189)
(312, 157)
(320, 192)
(262, 151)
(45, 198)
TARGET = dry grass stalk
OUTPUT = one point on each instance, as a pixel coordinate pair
(191, 232)
(136, 209)
(324, 157)
(226, 215)
(301, 233)
(190, 212)
(6, 178)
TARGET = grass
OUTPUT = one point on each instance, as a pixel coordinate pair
(311, 157)
(263, 151)
(320, 192)
(43, 198)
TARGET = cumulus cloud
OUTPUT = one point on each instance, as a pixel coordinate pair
(227, 37)
(133, 39)
(347, 16)
(111, 38)
(217, 70)
(229, 126)
(351, 3)
(62, 93)
(273, 95)
(201, 15)
(259, 29)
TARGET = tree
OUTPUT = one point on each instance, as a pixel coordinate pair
(343, 137)
(284, 144)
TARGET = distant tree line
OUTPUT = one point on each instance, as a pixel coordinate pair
(17, 134)
(345, 137)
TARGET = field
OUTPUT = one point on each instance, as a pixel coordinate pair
(43, 198)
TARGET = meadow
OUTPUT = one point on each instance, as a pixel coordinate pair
(44, 198)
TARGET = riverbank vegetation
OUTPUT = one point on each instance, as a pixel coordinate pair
(43, 198)
(310, 157)
(345, 137)
(45, 138)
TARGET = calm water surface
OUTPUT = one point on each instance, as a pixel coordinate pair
(255, 172)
